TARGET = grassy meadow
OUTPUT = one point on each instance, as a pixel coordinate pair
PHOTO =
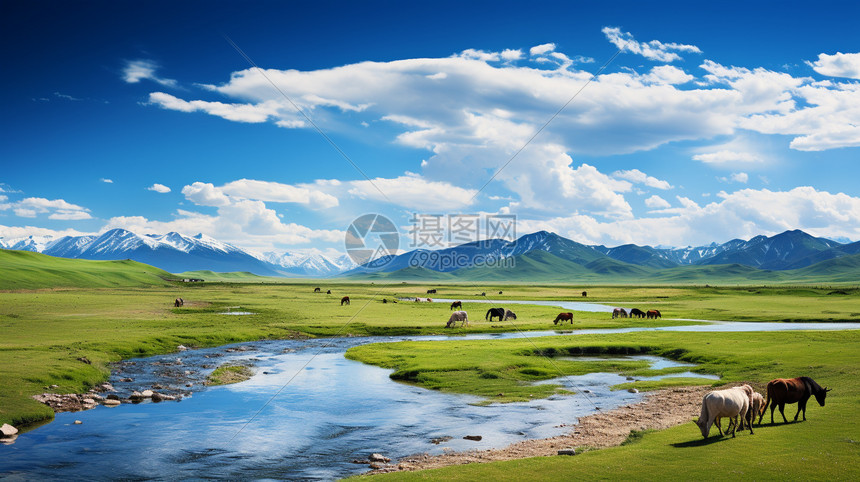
(55, 312)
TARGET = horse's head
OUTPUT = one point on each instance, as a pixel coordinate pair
(821, 395)
(703, 426)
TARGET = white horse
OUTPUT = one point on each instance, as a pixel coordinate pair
(456, 316)
(510, 315)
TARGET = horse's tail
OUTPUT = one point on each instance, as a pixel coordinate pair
(487, 316)
(768, 398)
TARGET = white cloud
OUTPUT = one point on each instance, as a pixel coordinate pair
(741, 177)
(653, 50)
(57, 209)
(480, 55)
(105, 180)
(205, 194)
(541, 49)
(726, 156)
(742, 214)
(137, 70)
(837, 65)
(235, 112)
(509, 55)
(656, 202)
(161, 188)
(277, 192)
(15, 232)
(637, 176)
(413, 192)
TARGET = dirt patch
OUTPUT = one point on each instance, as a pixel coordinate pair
(603, 429)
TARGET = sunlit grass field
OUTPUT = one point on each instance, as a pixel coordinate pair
(53, 313)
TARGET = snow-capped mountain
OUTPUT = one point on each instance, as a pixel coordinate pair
(172, 252)
(176, 253)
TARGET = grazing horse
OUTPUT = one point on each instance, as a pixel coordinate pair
(653, 314)
(792, 390)
(456, 316)
(433, 291)
(619, 313)
(456, 304)
(495, 312)
(510, 315)
(500, 292)
(344, 301)
(316, 290)
(584, 294)
(328, 292)
(637, 313)
(563, 317)
(178, 302)
(733, 403)
(385, 300)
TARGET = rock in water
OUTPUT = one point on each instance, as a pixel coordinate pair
(476, 438)
(7, 430)
(379, 458)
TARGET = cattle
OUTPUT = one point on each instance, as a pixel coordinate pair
(456, 316)
(732, 403)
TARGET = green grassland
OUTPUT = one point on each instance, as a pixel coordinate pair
(54, 312)
(825, 447)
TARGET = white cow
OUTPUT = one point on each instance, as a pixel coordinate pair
(732, 403)
(456, 316)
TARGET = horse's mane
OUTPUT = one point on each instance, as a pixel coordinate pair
(814, 386)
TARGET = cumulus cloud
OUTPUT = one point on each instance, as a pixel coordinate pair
(413, 192)
(740, 177)
(105, 180)
(541, 49)
(161, 188)
(277, 192)
(509, 55)
(58, 209)
(137, 70)
(656, 202)
(837, 65)
(639, 177)
(653, 50)
(741, 214)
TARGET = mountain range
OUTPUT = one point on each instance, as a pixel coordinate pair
(178, 253)
(537, 256)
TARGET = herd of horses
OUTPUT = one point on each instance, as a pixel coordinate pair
(742, 404)
(636, 313)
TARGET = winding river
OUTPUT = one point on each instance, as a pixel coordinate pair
(307, 413)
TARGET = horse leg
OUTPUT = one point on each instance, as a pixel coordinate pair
(719, 425)
(801, 405)
(782, 411)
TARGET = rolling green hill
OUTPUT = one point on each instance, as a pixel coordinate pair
(232, 277)
(27, 270)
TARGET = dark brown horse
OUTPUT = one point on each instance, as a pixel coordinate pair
(637, 313)
(562, 317)
(653, 314)
(792, 390)
(316, 290)
(433, 291)
(619, 313)
(456, 304)
(584, 294)
(178, 302)
(344, 301)
(495, 312)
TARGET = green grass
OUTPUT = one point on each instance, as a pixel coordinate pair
(228, 374)
(23, 270)
(825, 447)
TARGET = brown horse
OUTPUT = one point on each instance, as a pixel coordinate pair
(792, 390)
(619, 313)
(344, 301)
(456, 304)
(178, 302)
(653, 314)
(563, 317)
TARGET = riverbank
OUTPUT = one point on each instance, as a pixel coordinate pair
(600, 430)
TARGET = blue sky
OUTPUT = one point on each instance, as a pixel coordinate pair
(715, 121)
